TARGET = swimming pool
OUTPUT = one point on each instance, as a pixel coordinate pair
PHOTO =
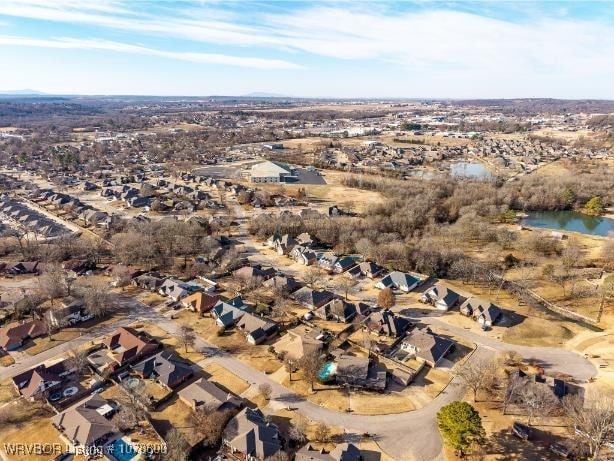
(327, 370)
(122, 450)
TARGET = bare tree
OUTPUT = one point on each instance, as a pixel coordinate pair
(478, 375)
(209, 423)
(265, 390)
(121, 275)
(50, 324)
(125, 419)
(279, 308)
(279, 455)
(186, 337)
(592, 420)
(53, 283)
(96, 298)
(290, 366)
(322, 432)
(606, 293)
(345, 284)
(177, 446)
(298, 432)
(512, 390)
(537, 398)
(385, 298)
(130, 400)
(311, 364)
(313, 277)
(77, 361)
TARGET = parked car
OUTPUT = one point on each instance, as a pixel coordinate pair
(562, 450)
(521, 431)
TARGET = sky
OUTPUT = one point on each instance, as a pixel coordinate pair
(340, 49)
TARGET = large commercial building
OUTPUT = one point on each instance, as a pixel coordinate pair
(268, 171)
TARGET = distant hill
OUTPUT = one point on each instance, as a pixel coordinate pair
(261, 94)
(26, 92)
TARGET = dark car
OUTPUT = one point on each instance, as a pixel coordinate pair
(521, 431)
(562, 450)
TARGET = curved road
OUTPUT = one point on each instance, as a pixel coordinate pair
(412, 435)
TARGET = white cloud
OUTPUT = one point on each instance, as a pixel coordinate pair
(457, 50)
(104, 45)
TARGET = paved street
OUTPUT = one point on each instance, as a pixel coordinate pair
(405, 436)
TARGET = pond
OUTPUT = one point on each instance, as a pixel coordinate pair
(570, 221)
(470, 170)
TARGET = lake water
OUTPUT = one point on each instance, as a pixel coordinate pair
(469, 169)
(570, 221)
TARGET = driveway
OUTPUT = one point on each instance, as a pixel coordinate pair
(25, 362)
(553, 359)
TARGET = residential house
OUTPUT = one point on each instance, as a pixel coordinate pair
(338, 310)
(256, 271)
(303, 255)
(125, 346)
(227, 313)
(440, 296)
(370, 269)
(86, 424)
(342, 452)
(257, 329)
(399, 281)
(285, 284)
(285, 244)
(13, 335)
(426, 345)
(205, 394)
(359, 372)
(387, 323)
(306, 240)
(299, 342)
(78, 267)
(343, 264)
(270, 242)
(200, 302)
(175, 289)
(484, 312)
(311, 298)
(23, 267)
(327, 261)
(166, 368)
(69, 314)
(42, 379)
(250, 436)
(150, 281)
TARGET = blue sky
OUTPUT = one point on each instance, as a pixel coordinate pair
(420, 49)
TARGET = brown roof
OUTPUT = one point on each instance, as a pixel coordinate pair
(29, 382)
(205, 393)
(295, 344)
(13, 334)
(129, 343)
(83, 424)
(200, 302)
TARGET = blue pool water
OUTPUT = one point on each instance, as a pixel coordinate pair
(326, 371)
(122, 450)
